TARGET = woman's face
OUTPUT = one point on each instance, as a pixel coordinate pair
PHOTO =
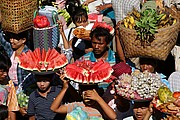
(16, 43)
(3, 74)
(146, 67)
(81, 22)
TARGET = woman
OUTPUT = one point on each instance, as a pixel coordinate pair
(7, 90)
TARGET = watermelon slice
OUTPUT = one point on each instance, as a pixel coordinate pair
(85, 71)
(42, 61)
(104, 25)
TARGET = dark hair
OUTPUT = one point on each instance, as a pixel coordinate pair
(5, 62)
(3, 112)
(138, 104)
(75, 10)
(148, 61)
(48, 77)
(100, 31)
(9, 35)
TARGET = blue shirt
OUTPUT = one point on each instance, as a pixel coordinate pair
(39, 106)
(111, 59)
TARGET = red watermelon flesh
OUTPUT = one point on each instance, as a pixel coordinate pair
(42, 60)
(85, 71)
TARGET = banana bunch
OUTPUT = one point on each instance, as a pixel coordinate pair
(64, 13)
(129, 22)
(166, 20)
(135, 13)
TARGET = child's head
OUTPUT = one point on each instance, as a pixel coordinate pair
(148, 64)
(78, 14)
(44, 82)
(17, 40)
(140, 109)
(83, 88)
(5, 64)
(3, 112)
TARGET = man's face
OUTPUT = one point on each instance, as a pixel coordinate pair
(16, 43)
(99, 45)
(140, 111)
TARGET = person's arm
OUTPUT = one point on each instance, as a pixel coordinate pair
(11, 115)
(103, 7)
(61, 30)
(56, 105)
(118, 44)
(88, 1)
(32, 118)
(92, 94)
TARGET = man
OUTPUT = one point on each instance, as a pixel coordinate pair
(101, 38)
(142, 111)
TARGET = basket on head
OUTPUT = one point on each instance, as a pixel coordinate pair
(47, 37)
(165, 39)
(17, 14)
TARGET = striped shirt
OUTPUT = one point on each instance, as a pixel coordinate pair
(122, 7)
(39, 106)
(174, 80)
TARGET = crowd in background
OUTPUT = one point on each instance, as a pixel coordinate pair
(54, 97)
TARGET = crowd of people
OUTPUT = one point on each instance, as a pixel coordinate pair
(55, 97)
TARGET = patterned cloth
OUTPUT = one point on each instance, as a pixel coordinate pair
(89, 110)
(122, 7)
(8, 96)
(121, 68)
(7, 46)
(174, 80)
(176, 53)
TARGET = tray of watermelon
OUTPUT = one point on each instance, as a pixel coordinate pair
(167, 102)
(139, 86)
(42, 61)
(87, 72)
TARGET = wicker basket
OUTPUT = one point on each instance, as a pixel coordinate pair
(160, 48)
(17, 15)
(47, 37)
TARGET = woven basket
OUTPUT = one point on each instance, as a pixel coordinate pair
(47, 37)
(160, 48)
(17, 15)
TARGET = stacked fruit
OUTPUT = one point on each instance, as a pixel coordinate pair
(65, 14)
(22, 99)
(138, 85)
(147, 22)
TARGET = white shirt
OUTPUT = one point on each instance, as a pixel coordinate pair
(176, 53)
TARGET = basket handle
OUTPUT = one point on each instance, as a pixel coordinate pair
(54, 14)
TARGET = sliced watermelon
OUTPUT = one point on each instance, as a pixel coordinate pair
(41, 60)
(88, 72)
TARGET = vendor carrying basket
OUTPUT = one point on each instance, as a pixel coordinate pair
(165, 40)
(46, 37)
(17, 15)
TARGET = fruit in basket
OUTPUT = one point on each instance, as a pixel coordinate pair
(22, 99)
(138, 85)
(41, 21)
(165, 94)
(176, 95)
